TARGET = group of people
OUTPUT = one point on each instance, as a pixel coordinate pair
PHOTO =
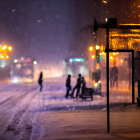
(114, 77)
(80, 81)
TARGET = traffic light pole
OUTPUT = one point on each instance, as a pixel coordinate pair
(107, 73)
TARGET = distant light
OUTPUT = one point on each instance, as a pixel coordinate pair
(97, 47)
(15, 80)
(114, 53)
(106, 19)
(7, 56)
(100, 57)
(77, 59)
(70, 60)
(93, 56)
(2, 56)
(28, 60)
(15, 61)
(10, 48)
(91, 49)
(104, 1)
(111, 58)
(121, 61)
(4, 47)
(35, 62)
(131, 24)
(2, 66)
(99, 81)
(96, 84)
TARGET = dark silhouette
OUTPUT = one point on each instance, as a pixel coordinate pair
(114, 77)
(68, 85)
(78, 86)
(111, 77)
(83, 84)
(40, 81)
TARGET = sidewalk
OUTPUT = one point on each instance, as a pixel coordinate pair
(92, 124)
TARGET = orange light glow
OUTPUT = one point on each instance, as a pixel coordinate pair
(93, 56)
(111, 58)
(130, 24)
(104, 1)
(4, 47)
(7, 56)
(10, 48)
(91, 49)
(121, 61)
(97, 47)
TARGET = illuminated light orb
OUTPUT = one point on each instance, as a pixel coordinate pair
(104, 1)
(96, 84)
(111, 58)
(35, 62)
(7, 56)
(10, 48)
(121, 61)
(91, 48)
(97, 47)
(2, 56)
(93, 56)
(4, 47)
(15, 61)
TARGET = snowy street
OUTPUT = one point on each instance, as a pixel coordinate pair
(20, 103)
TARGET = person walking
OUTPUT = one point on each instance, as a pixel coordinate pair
(40, 81)
(77, 86)
(68, 85)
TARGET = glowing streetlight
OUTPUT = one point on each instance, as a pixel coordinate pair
(111, 58)
(15, 61)
(93, 56)
(121, 61)
(97, 47)
(4, 47)
(35, 62)
(10, 48)
(7, 56)
(91, 49)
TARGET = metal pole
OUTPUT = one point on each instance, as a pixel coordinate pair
(133, 84)
(107, 73)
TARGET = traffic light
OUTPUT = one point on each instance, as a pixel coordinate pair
(97, 56)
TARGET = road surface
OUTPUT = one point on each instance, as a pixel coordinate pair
(20, 102)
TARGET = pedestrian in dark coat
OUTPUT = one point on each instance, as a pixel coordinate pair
(115, 80)
(40, 81)
(68, 85)
(77, 86)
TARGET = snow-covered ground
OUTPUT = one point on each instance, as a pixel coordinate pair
(22, 106)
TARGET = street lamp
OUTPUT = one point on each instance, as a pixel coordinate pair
(91, 49)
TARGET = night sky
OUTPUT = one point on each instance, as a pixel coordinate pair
(52, 30)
